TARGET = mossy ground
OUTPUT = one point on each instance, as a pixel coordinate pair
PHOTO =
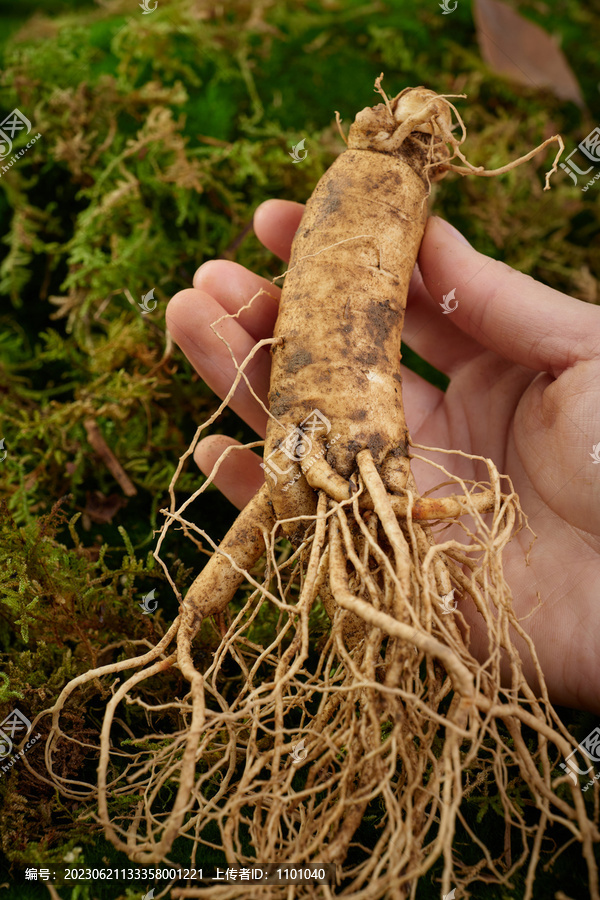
(161, 134)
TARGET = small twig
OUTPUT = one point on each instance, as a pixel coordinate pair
(108, 457)
(212, 141)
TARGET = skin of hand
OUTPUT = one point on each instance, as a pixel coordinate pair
(524, 368)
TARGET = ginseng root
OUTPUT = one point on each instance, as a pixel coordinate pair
(362, 749)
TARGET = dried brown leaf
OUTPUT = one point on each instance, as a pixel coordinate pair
(521, 50)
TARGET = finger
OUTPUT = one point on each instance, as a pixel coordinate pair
(234, 286)
(275, 224)
(190, 315)
(508, 312)
(239, 476)
(431, 333)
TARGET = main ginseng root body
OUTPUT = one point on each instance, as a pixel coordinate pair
(289, 749)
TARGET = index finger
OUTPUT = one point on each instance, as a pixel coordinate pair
(275, 224)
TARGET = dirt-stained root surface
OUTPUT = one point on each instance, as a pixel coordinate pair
(360, 274)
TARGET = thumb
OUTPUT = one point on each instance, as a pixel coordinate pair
(504, 310)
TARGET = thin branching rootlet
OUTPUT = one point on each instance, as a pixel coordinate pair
(360, 743)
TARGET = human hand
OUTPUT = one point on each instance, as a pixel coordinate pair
(524, 368)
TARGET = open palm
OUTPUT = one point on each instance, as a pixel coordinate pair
(524, 368)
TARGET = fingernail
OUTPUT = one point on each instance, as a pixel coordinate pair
(453, 231)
